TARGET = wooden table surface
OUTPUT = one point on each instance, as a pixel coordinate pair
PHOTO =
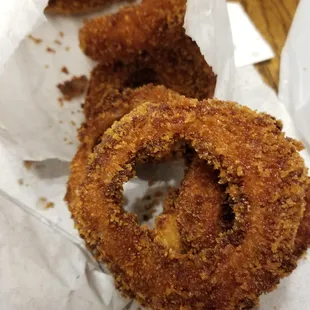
(273, 18)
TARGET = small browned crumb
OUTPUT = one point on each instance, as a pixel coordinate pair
(72, 112)
(20, 181)
(43, 199)
(60, 122)
(159, 194)
(49, 205)
(46, 66)
(50, 50)
(82, 105)
(151, 182)
(65, 139)
(73, 88)
(64, 70)
(57, 42)
(67, 48)
(70, 143)
(34, 39)
(61, 34)
(28, 164)
(73, 123)
(61, 101)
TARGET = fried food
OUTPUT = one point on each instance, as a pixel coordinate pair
(265, 180)
(146, 29)
(108, 82)
(70, 7)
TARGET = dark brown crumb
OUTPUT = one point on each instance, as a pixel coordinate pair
(50, 50)
(73, 88)
(61, 34)
(67, 48)
(61, 101)
(20, 181)
(57, 42)
(64, 70)
(49, 205)
(34, 39)
(28, 164)
(159, 194)
(151, 182)
(82, 105)
(46, 66)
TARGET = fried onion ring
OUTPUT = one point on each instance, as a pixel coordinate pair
(265, 179)
(148, 28)
(71, 7)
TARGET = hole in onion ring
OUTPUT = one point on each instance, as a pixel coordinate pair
(144, 194)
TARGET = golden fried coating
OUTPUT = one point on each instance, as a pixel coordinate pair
(147, 28)
(70, 7)
(108, 83)
(265, 180)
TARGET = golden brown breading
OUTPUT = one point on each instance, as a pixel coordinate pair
(147, 28)
(108, 83)
(70, 7)
(265, 180)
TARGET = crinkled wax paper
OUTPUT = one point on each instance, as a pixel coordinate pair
(43, 242)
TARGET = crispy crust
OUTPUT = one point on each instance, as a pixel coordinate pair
(108, 83)
(72, 7)
(134, 31)
(265, 179)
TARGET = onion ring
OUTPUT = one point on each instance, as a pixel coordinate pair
(265, 179)
(71, 7)
(108, 83)
(148, 28)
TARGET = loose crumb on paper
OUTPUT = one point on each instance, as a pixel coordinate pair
(28, 164)
(20, 181)
(64, 70)
(67, 48)
(61, 34)
(61, 101)
(43, 201)
(73, 88)
(57, 42)
(50, 50)
(46, 66)
(49, 205)
(34, 39)
(73, 123)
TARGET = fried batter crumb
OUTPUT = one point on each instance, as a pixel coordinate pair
(34, 39)
(61, 34)
(67, 48)
(73, 88)
(28, 164)
(43, 199)
(57, 42)
(20, 181)
(61, 101)
(73, 123)
(64, 70)
(50, 50)
(49, 205)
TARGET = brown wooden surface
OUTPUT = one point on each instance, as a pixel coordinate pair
(273, 18)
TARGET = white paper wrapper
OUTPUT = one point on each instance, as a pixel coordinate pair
(30, 128)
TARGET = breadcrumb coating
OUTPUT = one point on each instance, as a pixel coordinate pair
(266, 182)
(71, 7)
